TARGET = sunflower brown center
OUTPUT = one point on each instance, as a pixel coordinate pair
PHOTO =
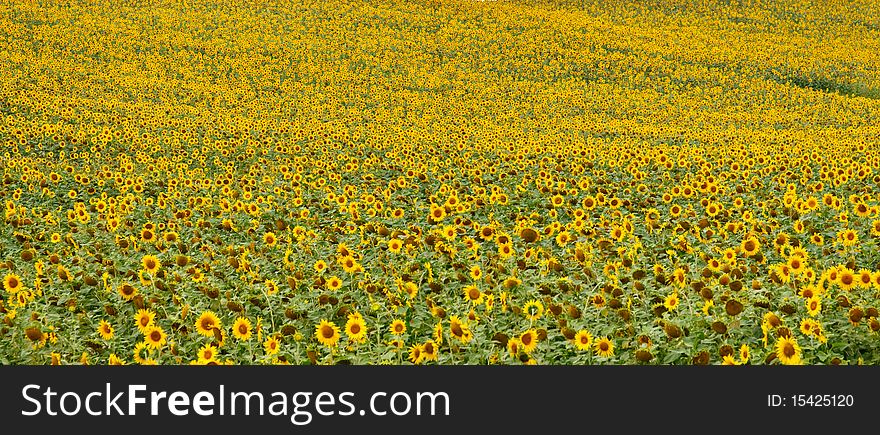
(456, 330)
(788, 350)
(355, 328)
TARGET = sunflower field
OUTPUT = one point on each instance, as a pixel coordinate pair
(440, 182)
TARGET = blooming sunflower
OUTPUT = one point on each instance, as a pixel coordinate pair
(105, 330)
(327, 333)
(242, 329)
(529, 340)
(473, 294)
(356, 328)
(144, 319)
(604, 347)
(429, 351)
(207, 353)
(150, 264)
(814, 305)
(788, 351)
(415, 354)
(127, 291)
(583, 340)
(206, 323)
(398, 327)
(271, 345)
(12, 283)
(533, 310)
(155, 337)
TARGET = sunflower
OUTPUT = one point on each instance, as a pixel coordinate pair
(207, 322)
(349, 264)
(271, 287)
(105, 330)
(398, 327)
(529, 340)
(604, 347)
(127, 291)
(729, 360)
(796, 265)
(438, 332)
(808, 326)
(271, 345)
(410, 288)
(514, 347)
(12, 283)
(533, 310)
(144, 319)
(395, 245)
(320, 266)
(563, 238)
(140, 349)
(437, 213)
(473, 294)
(356, 328)
(745, 354)
(155, 337)
(150, 264)
(270, 239)
(459, 329)
(846, 279)
(476, 273)
(333, 283)
(114, 360)
(415, 354)
(848, 237)
(814, 305)
(788, 351)
(506, 251)
(207, 353)
(242, 329)
(671, 301)
(148, 236)
(750, 246)
(327, 333)
(583, 340)
(864, 278)
(862, 210)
